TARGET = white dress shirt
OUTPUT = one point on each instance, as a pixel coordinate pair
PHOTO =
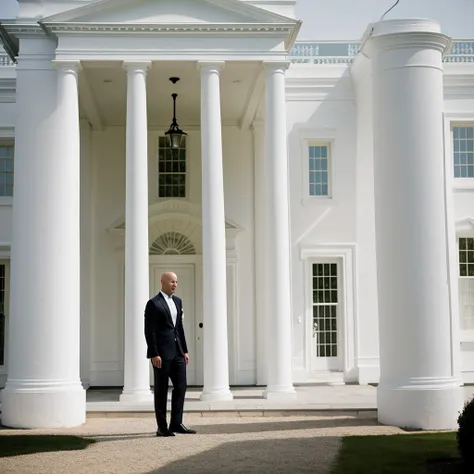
(172, 306)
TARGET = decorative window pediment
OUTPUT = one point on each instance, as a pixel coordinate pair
(168, 12)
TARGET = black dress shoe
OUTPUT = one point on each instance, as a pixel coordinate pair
(164, 433)
(181, 429)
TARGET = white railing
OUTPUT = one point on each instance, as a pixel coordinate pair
(325, 52)
(5, 61)
(334, 52)
(311, 52)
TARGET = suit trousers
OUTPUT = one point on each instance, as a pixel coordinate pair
(174, 369)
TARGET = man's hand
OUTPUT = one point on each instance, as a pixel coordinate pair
(156, 361)
(186, 358)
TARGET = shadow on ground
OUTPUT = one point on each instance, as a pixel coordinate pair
(249, 427)
(15, 445)
(304, 455)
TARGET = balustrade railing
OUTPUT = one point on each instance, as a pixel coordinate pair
(334, 52)
(321, 52)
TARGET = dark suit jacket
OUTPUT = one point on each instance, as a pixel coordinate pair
(162, 337)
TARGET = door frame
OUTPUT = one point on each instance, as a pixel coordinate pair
(344, 255)
(174, 262)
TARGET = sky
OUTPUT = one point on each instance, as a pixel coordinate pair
(348, 19)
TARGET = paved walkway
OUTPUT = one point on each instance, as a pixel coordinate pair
(223, 445)
(247, 435)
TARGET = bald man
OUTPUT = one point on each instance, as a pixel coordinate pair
(168, 352)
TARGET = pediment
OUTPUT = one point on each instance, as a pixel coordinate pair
(170, 12)
(177, 209)
(465, 225)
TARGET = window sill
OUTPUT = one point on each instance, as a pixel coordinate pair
(316, 200)
(466, 336)
(6, 201)
(463, 184)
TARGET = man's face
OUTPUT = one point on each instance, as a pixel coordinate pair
(169, 283)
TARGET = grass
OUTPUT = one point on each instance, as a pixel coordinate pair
(407, 454)
(14, 445)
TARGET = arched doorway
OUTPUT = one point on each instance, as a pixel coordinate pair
(174, 251)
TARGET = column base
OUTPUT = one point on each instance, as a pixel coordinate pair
(138, 396)
(280, 394)
(54, 406)
(216, 396)
(426, 406)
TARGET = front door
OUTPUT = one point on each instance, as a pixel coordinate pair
(326, 317)
(186, 291)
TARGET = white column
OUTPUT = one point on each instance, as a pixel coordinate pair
(86, 252)
(262, 294)
(279, 346)
(43, 388)
(216, 352)
(417, 388)
(136, 368)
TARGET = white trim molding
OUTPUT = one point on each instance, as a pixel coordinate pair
(5, 250)
(346, 255)
(317, 136)
(450, 119)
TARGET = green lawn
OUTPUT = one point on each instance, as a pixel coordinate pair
(28, 444)
(431, 453)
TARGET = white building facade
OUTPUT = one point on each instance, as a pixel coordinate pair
(319, 212)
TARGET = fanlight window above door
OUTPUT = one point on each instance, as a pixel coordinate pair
(172, 243)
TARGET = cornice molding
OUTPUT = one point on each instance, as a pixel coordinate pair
(413, 39)
(21, 30)
(167, 28)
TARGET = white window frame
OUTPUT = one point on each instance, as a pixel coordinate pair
(455, 120)
(345, 256)
(466, 335)
(157, 174)
(6, 262)
(315, 137)
(7, 136)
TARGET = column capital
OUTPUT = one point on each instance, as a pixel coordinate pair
(211, 65)
(137, 66)
(396, 34)
(276, 65)
(71, 66)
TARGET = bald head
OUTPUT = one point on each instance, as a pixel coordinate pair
(169, 282)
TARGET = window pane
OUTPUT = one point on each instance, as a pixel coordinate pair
(318, 171)
(172, 169)
(325, 309)
(463, 147)
(6, 170)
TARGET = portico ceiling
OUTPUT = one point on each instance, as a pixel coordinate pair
(103, 92)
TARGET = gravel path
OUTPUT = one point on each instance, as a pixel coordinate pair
(222, 445)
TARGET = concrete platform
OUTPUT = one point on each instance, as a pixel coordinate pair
(360, 400)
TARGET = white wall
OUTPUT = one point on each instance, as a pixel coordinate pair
(459, 107)
(324, 111)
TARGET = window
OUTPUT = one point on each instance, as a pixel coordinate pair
(172, 169)
(172, 243)
(6, 170)
(325, 308)
(466, 283)
(3, 296)
(318, 170)
(463, 151)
